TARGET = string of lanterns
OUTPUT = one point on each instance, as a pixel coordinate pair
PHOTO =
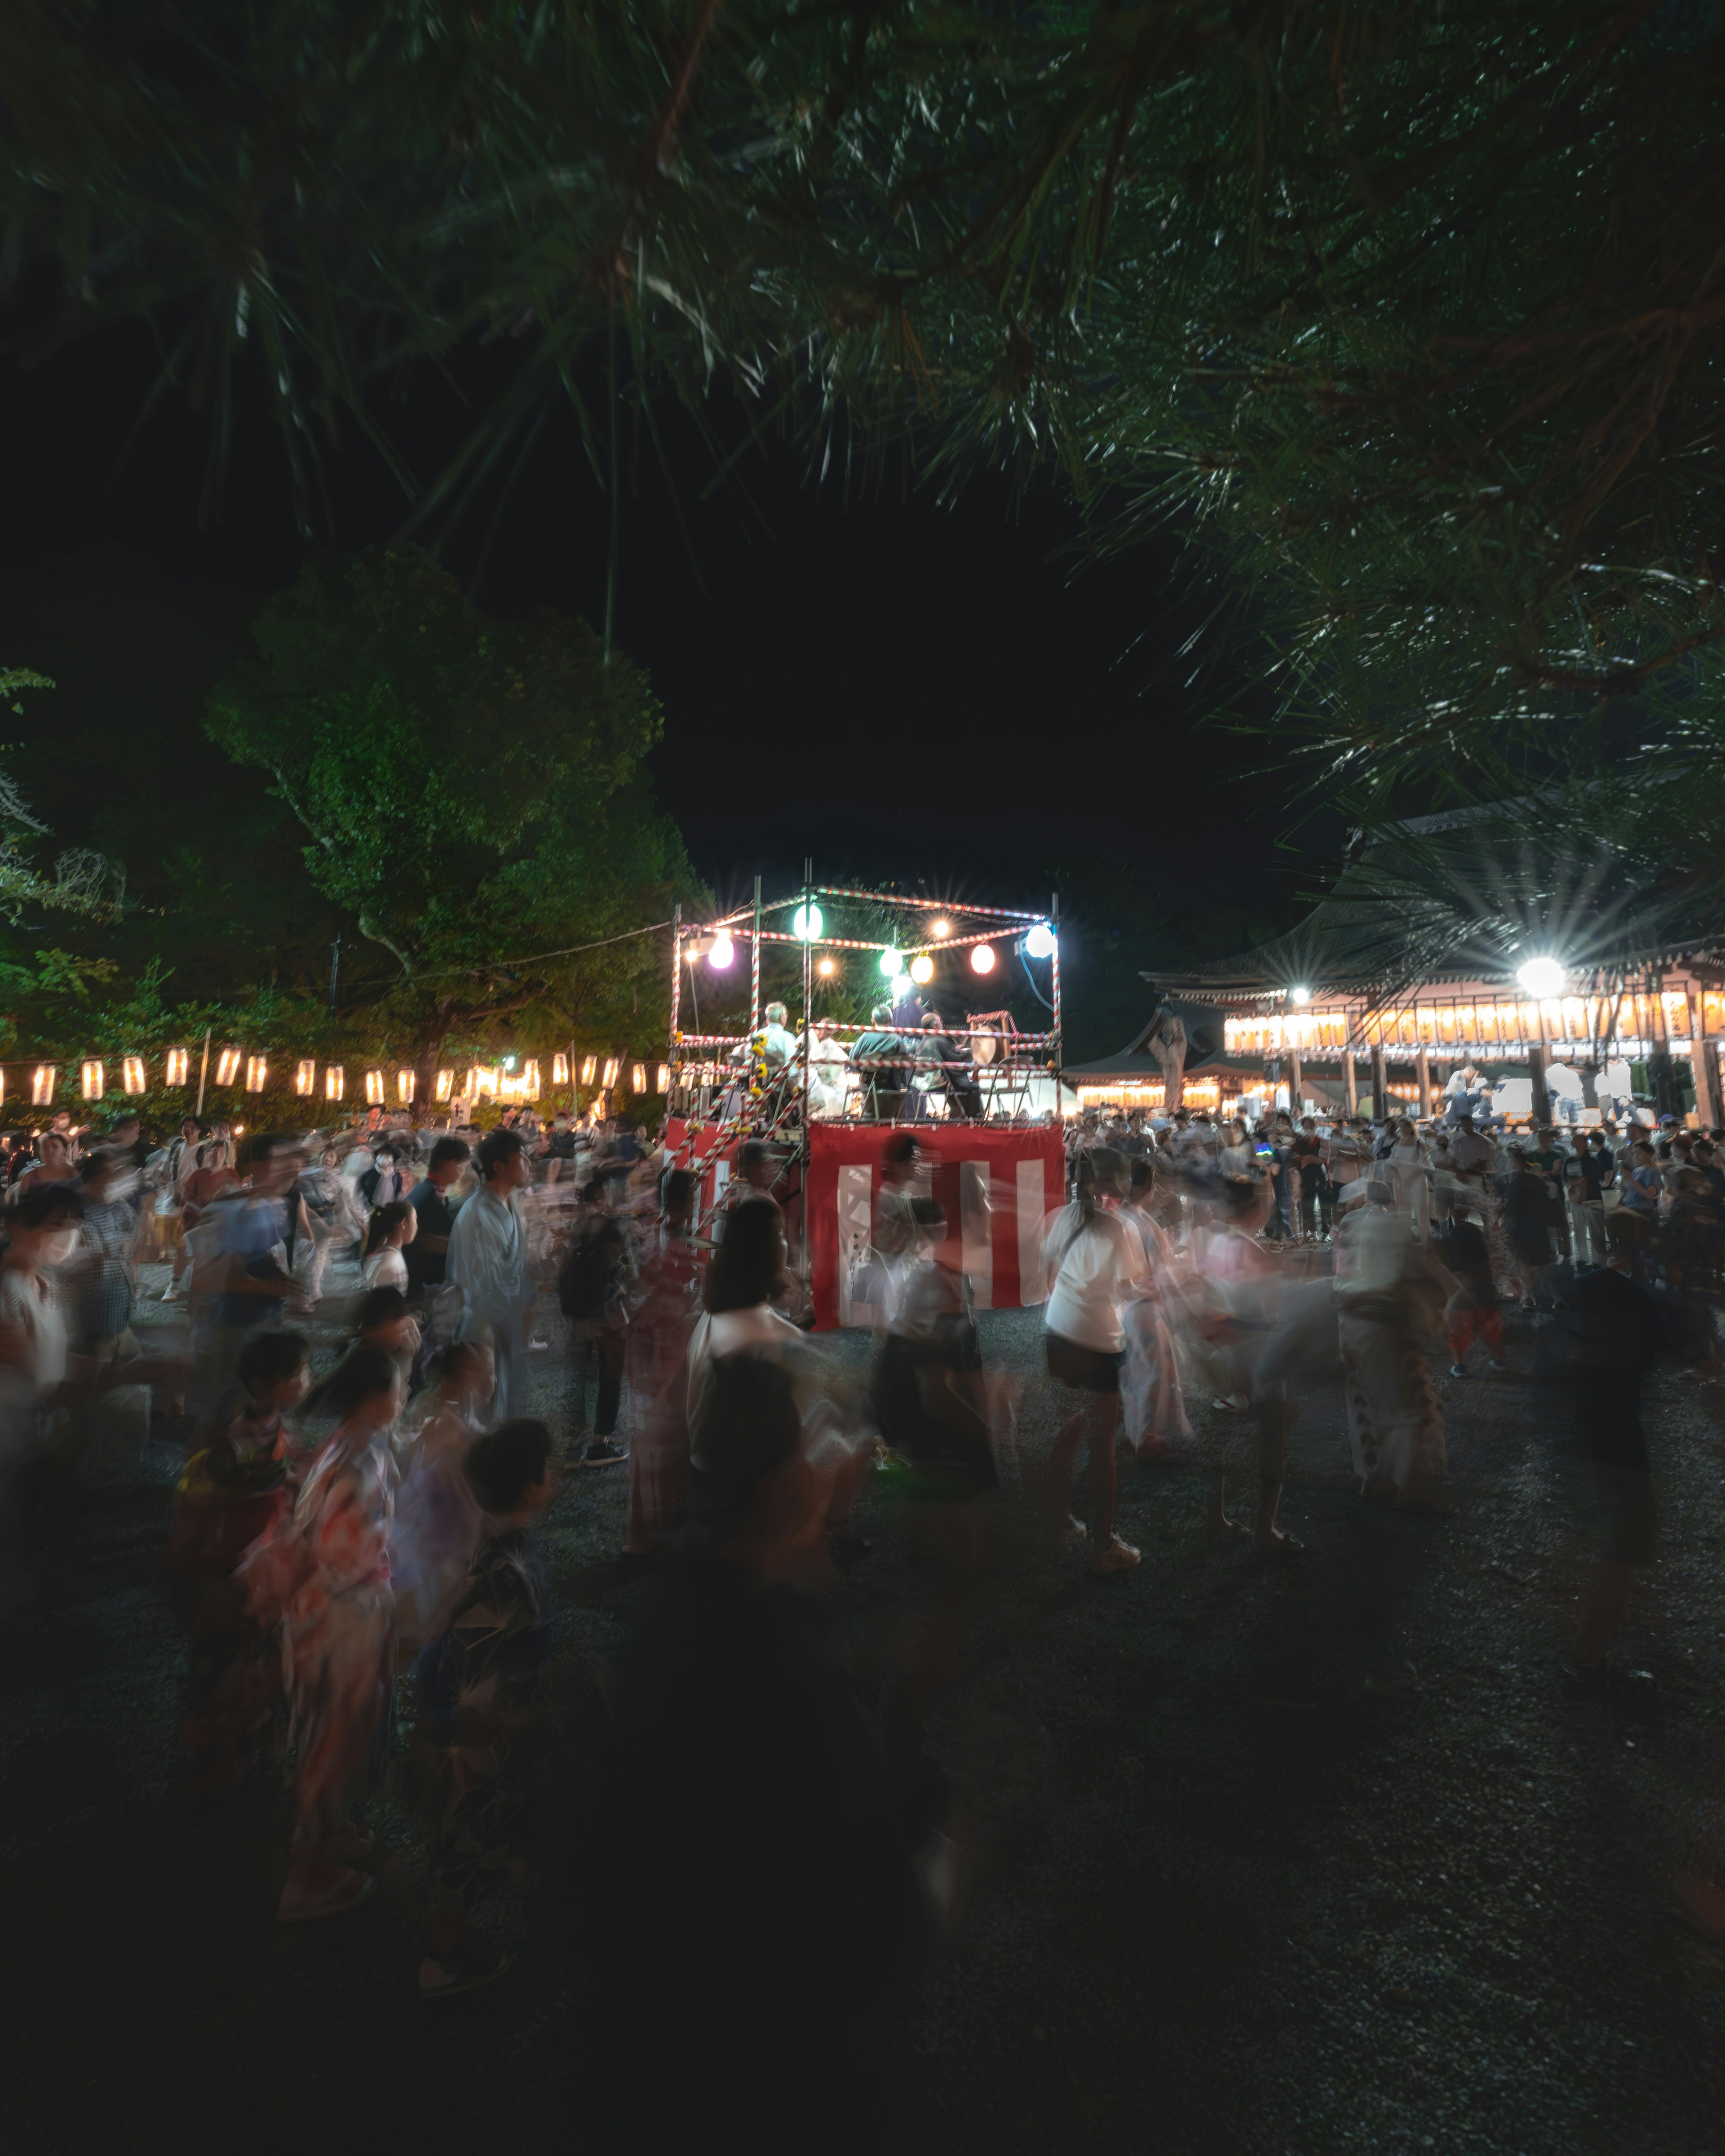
(719, 949)
(237, 1067)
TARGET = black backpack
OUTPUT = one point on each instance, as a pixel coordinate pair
(588, 1283)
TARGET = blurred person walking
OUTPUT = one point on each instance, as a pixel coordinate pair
(324, 1575)
(489, 1680)
(332, 1218)
(593, 1295)
(253, 1229)
(1096, 1265)
(36, 1366)
(235, 1487)
(488, 1262)
(437, 1200)
(390, 1230)
(437, 1527)
(657, 1340)
(1473, 1310)
(1388, 1295)
(1152, 1396)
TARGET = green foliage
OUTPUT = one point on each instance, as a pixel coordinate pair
(1412, 319)
(474, 795)
(1414, 315)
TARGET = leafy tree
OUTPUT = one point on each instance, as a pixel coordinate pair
(475, 802)
(218, 902)
(1414, 316)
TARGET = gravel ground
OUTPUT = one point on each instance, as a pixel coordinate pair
(1314, 1857)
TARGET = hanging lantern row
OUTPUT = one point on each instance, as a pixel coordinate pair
(235, 1066)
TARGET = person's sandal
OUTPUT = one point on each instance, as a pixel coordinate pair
(469, 1964)
(347, 1891)
(1114, 1556)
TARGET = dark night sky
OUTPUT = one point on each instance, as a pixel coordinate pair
(898, 689)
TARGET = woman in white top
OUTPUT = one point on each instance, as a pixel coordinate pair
(390, 1228)
(1408, 1172)
(747, 1272)
(739, 1323)
(437, 1526)
(1097, 1263)
(1151, 1401)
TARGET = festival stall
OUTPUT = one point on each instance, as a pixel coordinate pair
(826, 1097)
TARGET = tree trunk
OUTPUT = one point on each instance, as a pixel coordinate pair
(425, 1065)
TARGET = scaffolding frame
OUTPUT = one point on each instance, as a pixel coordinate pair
(792, 1113)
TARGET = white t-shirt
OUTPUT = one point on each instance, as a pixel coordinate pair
(386, 1267)
(29, 1302)
(1102, 1265)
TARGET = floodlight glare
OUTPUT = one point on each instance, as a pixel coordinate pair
(807, 922)
(943, 927)
(1040, 943)
(1299, 995)
(1541, 977)
(891, 964)
(722, 953)
(901, 986)
(826, 967)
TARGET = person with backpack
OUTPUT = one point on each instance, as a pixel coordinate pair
(591, 1292)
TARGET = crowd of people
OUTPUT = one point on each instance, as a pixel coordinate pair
(354, 1542)
(1410, 1236)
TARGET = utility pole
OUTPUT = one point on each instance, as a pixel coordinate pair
(202, 1073)
(335, 969)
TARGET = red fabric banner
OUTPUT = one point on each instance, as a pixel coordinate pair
(997, 1186)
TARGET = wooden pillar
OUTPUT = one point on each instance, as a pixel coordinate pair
(1536, 1071)
(1422, 1066)
(1659, 1060)
(1296, 1082)
(1703, 1063)
(1380, 1082)
(1350, 1089)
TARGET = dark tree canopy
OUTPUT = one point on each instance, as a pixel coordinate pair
(1411, 319)
(472, 789)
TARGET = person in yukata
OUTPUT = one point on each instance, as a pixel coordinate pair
(488, 1260)
(492, 1686)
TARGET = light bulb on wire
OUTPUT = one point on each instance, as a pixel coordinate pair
(1040, 941)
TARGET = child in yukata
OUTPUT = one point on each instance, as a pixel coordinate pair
(489, 1688)
(326, 1570)
(234, 1486)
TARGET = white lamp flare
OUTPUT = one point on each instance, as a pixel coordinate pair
(1541, 976)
